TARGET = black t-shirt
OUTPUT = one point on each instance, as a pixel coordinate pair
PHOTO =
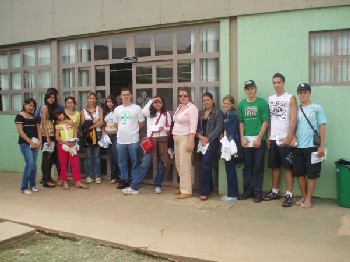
(29, 127)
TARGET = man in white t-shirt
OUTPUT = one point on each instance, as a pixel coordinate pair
(283, 118)
(129, 120)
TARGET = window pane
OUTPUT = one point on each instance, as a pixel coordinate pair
(4, 102)
(16, 102)
(68, 54)
(84, 77)
(142, 45)
(101, 97)
(44, 78)
(44, 55)
(185, 70)
(164, 43)
(68, 77)
(4, 61)
(209, 39)
(118, 48)
(4, 81)
(167, 94)
(209, 69)
(344, 43)
(321, 45)
(82, 97)
(142, 96)
(344, 70)
(16, 81)
(38, 96)
(84, 52)
(144, 75)
(67, 94)
(100, 77)
(321, 71)
(29, 79)
(214, 91)
(29, 56)
(15, 60)
(164, 73)
(101, 49)
(185, 41)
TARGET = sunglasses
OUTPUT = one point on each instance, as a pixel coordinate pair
(180, 96)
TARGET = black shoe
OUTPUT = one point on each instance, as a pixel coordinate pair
(245, 196)
(49, 184)
(288, 201)
(257, 198)
(122, 185)
(271, 196)
(41, 181)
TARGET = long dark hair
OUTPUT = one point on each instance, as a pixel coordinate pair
(58, 112)
(106, 110)
(153, 111)
(51, 107)
(27, 102)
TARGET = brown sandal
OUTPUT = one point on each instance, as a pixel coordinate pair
(65, 185)
(81, 185)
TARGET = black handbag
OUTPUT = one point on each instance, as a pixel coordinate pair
(317, 138)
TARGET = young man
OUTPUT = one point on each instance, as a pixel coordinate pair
(129, 120)
(253, 115)
(311, 117)
(283, 115)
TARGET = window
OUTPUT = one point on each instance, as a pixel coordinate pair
(330, 58)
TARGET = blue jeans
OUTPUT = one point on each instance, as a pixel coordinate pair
(125, 151)
(254, 167)
(206, 184)
(113, 157)
(232, 182)
(146, 164)
(93, 161)
(29, 173)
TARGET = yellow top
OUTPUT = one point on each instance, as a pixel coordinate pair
(75, 118)
(66, 130)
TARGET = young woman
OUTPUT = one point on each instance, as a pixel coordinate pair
(110, 129)
(184, 131)
(210, 126)
(231, 129)
(66, 134)
(92, 120)
(71, 112)
(48, 136)
(29, 142)
(158, 125)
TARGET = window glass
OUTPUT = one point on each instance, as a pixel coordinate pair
(44, 55)
(44, 78)
(209, 39)
(101, 97)
(29, 56)
(164, 43)
(322, 45)
(84, 51)
(4, 102)
(144, 74)
(68, 53)
(344, 43)
(16, 81)
(101, 49)
(215, 92)
(209, 69)
(164, 73)
(82, 99)
(67, 94)
(84, 77)
(185, 41)
(100, 77)
(344, 70)
(143, 96)
(29, 79)
(142, 45)
(4, 61)
(15, 59)
(68, 77)
(16, 100)
(118, 48)
(4, 81)
(167, 95)
(185, 70)
(321, 71)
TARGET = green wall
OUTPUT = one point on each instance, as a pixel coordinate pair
(278, 42)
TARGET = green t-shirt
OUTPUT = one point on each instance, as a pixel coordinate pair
(253, 114)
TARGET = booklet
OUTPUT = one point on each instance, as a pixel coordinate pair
(315, 159)
(250, 140)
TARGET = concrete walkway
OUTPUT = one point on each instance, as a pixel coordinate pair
(184, 229)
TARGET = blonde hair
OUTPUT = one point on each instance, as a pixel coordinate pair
(91, 93)
(231, 99)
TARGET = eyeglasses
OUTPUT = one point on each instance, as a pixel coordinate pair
(180, 96)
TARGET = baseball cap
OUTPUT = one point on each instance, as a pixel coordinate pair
(304, 87)
(249, 83)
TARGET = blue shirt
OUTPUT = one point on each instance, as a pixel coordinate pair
(231, 125)
(37, 113)
(316, 116)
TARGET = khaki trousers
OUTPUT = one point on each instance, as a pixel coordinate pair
(183, 163)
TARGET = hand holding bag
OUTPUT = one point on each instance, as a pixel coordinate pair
(317, 138)
(146, 143)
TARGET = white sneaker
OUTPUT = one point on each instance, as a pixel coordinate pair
(27, 191)
(34, 189)
(88, 180)
(129, 191)
(158, 190)
(98, 180)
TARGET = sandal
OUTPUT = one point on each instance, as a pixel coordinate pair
(299, 202)
(81, 185)
(306, 204)
(65, 185)
(113, 181)
(204, 198)
(49, 184)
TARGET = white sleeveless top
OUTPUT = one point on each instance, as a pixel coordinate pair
(279, 115)
(95, 116)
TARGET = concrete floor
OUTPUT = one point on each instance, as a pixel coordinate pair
(184, 229)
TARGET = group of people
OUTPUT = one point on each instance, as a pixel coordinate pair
(279, 124)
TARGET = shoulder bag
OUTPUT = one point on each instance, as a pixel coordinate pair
(317, 138)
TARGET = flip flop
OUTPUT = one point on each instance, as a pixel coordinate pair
(306, 204)
(299, 202)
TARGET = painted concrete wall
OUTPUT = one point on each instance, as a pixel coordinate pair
(25, 21)
(270, 43)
